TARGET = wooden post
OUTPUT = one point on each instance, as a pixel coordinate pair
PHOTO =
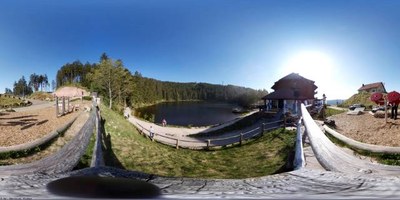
(385, 111)
(208, 143)
(177, 143)
(68, 105)
(57, 109)
(262, 129)
(241, 139)
(284, 120)
(63, 105)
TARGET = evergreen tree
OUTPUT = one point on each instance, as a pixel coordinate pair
(21, 88)
(8, 91)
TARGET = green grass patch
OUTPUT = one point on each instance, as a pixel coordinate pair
(41, 96)
(19, 154)
(359, 98)
(330, 111)
(9, 101)
(86, 159)
(128, 149)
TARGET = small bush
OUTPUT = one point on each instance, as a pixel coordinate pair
(87, 98)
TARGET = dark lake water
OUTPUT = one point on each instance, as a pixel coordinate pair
(189, 113)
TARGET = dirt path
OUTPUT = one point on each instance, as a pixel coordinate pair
(36, 105)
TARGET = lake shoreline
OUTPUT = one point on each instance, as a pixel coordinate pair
(189, 113)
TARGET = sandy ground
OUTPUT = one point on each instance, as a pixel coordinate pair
(368, 129)
(54, 147)
(22, 127)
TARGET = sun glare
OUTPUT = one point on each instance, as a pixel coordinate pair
(310, 64)
(316, 66)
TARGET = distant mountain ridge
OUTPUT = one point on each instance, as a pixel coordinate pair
(335, 101)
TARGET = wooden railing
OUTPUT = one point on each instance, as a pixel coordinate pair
(193, 143)
(97, 156)
(299, 160)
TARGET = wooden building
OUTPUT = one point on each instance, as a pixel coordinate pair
(373, 87)
(289, 91)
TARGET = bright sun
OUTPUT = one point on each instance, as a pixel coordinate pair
(310, 64)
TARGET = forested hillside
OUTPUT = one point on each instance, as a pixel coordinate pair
(119, 87)
(151, 90)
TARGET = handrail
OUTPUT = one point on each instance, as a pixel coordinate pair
(97, 156)
(333, 158)
(206, 143)
(299, 160)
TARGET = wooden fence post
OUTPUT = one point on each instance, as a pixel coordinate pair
(241, 139)
(177, 143)
(284, 121)
(208, 143)
(262, 129)
(385, 102)
(57, 109)
(63, 105)
(68, 105)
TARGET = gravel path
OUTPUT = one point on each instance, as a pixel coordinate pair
(36, 105)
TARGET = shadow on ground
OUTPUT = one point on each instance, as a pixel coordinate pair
(110, 159)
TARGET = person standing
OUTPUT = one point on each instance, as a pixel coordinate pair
(394, 110)
(151, 132)
(164, 122)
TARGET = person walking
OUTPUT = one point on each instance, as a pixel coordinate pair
(151, 132)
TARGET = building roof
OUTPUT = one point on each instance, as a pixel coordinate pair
(71, 92)
(371, 86)
(291, 87)
(293, 76)
(287, 94)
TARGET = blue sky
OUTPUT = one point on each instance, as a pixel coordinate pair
(339, 44)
